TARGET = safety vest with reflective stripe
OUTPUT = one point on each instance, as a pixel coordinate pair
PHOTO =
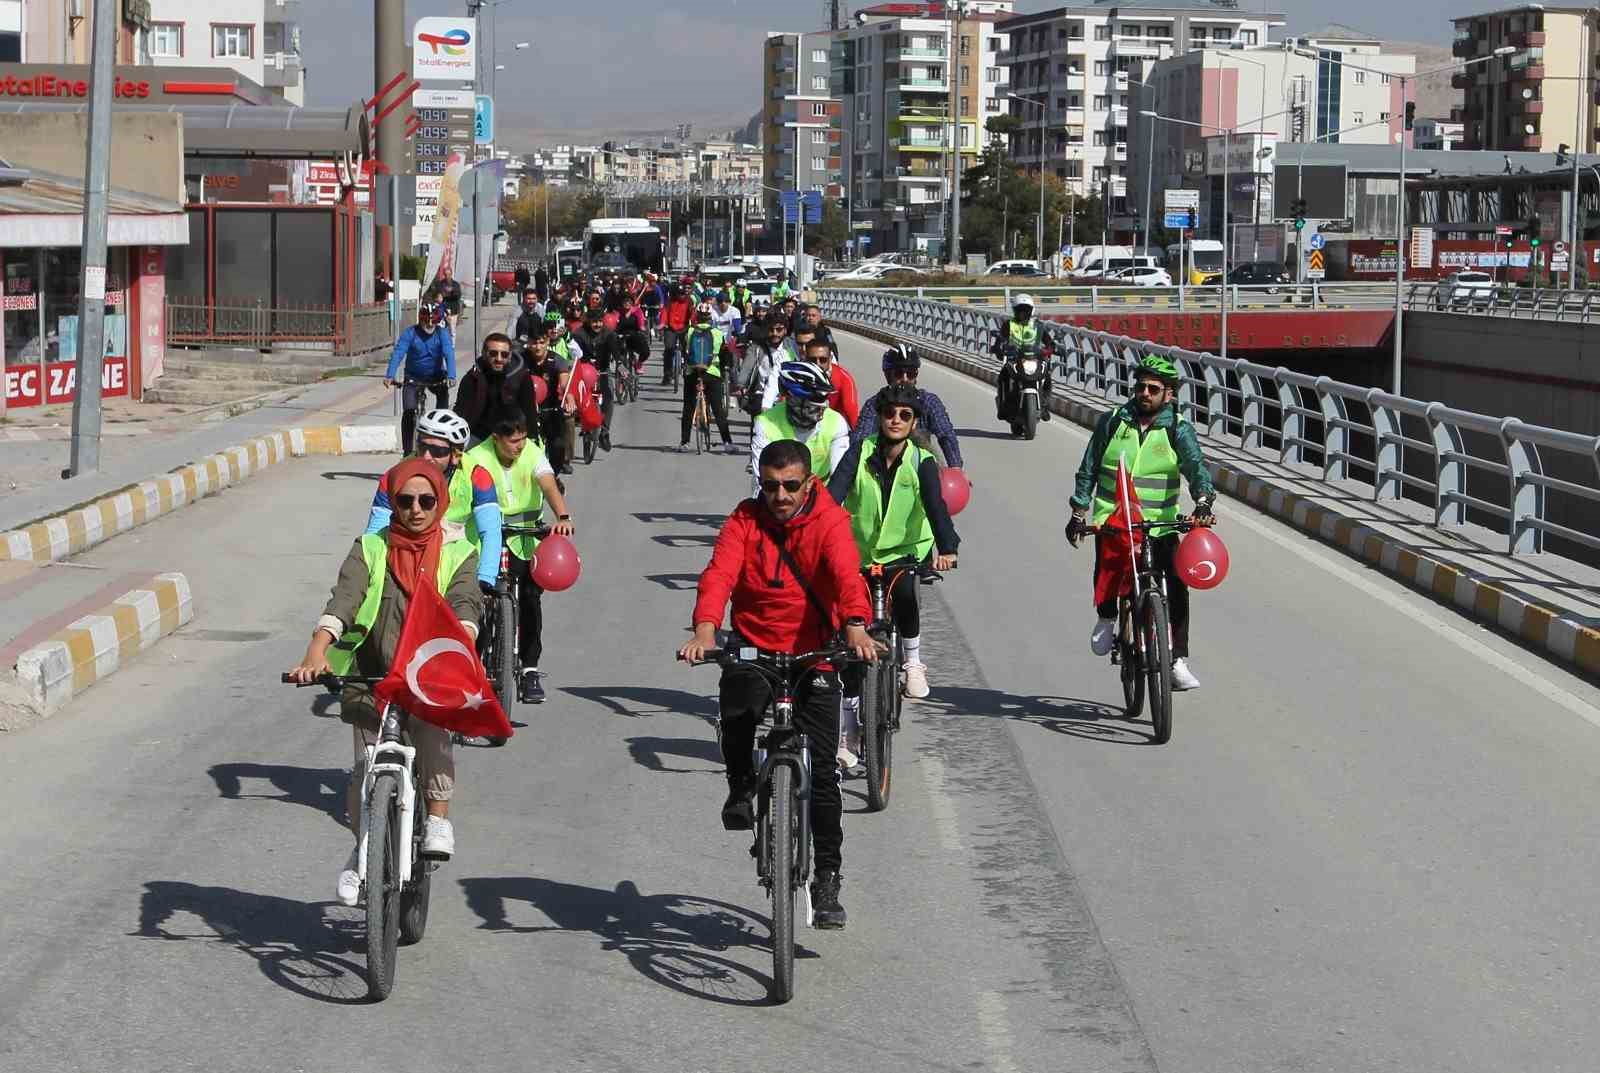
(1153, 465)
(898, 529)
(517, 489)
(1023, 335)
(375, 550)
(776, 425)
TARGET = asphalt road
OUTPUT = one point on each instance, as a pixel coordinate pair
(1365, 848)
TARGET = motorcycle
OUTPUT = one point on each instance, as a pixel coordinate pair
(1027, 370)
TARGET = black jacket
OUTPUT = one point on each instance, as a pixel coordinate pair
(484, 393)
(600, 347)
(450, 294)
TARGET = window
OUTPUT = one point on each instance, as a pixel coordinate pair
(1358, 117)
(1075, 169)
(166, 40)
(1386, 80)
(1101, 68)
(1360, 77)
(992, 74)
(1102, 103)
(965, 71)
(1102, 33)
(819, 109)
(1222, 33)
(994, 44)
(1130, 29)
(966, 105)
(819, 83)
(966, 46)
(1247, 36)
(819, 163)
(819, 137)
(1061, 102)
(819, 55)
(1099, 175)
(1074, 100)
(232, 42)
(1100, 138)
(1061, 33)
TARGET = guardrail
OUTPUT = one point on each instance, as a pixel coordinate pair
(1286, 297)
(1581, 307)
(1391, 442)
(348, 330)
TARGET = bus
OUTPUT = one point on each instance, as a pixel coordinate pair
(620, 244)
(569, 260)
(1196, 262)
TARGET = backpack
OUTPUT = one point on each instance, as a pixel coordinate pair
(700, 354)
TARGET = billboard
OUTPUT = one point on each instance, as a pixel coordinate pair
(1322, 186)
(445, 47)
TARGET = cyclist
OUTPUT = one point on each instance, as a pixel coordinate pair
(562, 345)
(449, 294)
(429, 358)
(741, 298)
(706, 353)
(890, 488)
(768, 349)
(783, 294)
(556, 429)
(360, 628)
(725, 316)
(1159, 446)
(802, 415)
(900, 366)
(788, 565)
(808, 314)
(652, 296)
(531, 315)
(524, 481)
(1022, 332)
(819, 349)
(602, 347)
(676, 317)
(497, 380)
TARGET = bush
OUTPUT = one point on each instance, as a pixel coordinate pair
(412, 266)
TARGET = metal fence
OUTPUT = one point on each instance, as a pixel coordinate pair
(1579, 307)
(349, 330)
(1498, 468)
(1287, 297)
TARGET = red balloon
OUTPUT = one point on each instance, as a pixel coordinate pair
(556, 565)
(1201, 560)
(588, 374)
(589, 415)
(956, 488)
(541, 390)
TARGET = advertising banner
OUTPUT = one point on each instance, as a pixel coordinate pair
(445, 47)
(56, 382)
(447, 218)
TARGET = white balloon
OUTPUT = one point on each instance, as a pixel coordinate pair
(419, 659)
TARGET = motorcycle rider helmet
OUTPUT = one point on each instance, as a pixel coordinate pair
(804, 381)
(1159, 366)
(901, 357)
(1022, 306)
(446, 425)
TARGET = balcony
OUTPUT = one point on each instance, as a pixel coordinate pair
(1121, 151)
(1533, 72)
(281, 11)
(918, 175)
(281, 70)
(1135, 46)
(919, 145)
(1464, 48)
(1532, 107)
(916, 54)
(1526, 39)
(1119, 116)
(1530, 142)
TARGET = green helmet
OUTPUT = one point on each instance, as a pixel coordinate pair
(552, 316)
(1160, 366)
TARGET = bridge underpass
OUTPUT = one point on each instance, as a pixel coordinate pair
(1365, 846)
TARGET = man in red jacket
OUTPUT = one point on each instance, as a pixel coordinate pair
(773, 611)
(675, 318)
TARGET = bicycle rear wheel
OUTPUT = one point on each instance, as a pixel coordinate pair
(780, 844)
(1157, 664)
(383, 884)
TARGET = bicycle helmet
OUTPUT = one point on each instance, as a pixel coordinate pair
(804, 381)
(446, 425)
(901, 395)
(1161, 367)
(702, 313)
(901, 357)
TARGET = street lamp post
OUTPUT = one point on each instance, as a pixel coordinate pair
(1038, 102)
(1150, 166)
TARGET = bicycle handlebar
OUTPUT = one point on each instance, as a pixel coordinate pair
(1182, 525)
(804, 661)
(332, 681)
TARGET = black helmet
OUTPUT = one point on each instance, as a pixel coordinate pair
(900, 395)
(901, 357)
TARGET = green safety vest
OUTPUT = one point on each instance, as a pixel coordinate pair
(375, 550)
(781, 290)
(1024, 335)
(776, 425)
(460, 511)
(1153, 465)
(521, 499)
(716, 348)
(560, 347)
(899, 529)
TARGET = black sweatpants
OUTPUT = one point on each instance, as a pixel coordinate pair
(713, 400)
(1177, 594)
(530, 614)
(906, 609)
(743, 697)
(408, 399)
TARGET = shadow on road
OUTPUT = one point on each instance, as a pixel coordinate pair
(675, 582)
(649, 753)
(710, 521)
(637, 702)
(295, 943)
(1087, 719)
(686, 540)
(984, 434)
(320, 788)
(341, 475)
(667, 938)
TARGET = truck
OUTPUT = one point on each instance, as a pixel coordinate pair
(1094, 260)
(622, 244)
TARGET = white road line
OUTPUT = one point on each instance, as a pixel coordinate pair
(940, 808)
(995, 1028)
(1383, 591)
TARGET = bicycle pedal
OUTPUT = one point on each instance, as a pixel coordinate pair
(1116, 658)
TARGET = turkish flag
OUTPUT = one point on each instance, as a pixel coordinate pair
(1114, 569)
(436, 674)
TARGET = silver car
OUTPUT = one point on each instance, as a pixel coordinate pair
(1467, 288)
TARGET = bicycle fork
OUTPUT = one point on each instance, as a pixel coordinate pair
(389, 756)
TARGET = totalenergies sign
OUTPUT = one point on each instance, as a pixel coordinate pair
(445, 47)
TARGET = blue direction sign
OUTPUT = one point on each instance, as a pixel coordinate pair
(483, 119)
(1176, 220)
(791, 200)
(1317, 241)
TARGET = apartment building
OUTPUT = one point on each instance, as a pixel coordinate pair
(798, 114)
(1542, 95)
(260, 39)
(1439, 134)
(899, 81)
(1080, 62)
(59, 31)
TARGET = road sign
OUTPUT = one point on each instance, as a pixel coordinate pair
(1561, 248)
(1316, 269)
(483, 119)
(1317, 242)
(811, 199)
(1503, 230)
(1179, 220)
(1181, 200)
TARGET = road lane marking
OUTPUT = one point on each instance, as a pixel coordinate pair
(941, 810)
(995, 1028)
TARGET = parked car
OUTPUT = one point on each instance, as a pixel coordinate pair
(1467, 287)
(871, 273)
(1139, 276)
(1015, 268)
(1268, 274)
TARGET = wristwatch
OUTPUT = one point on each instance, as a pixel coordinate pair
(563, 517)
(856, 621)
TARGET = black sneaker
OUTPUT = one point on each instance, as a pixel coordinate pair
(826, 912)
(566, 471)
(1044, 415)
(531, 690)
(605, 439)
(739, 811)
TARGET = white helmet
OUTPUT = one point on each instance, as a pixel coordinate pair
(1022, 300)
(446, 425)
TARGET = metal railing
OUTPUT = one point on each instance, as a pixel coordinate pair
(348, 330)
(1283, 297)
(1459, 460)
(1581, 307)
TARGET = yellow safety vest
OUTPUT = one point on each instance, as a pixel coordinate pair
(375, 550)
(776, 424)
(899, 529)
(517, 489)
(1024, 335)
(1153, 465)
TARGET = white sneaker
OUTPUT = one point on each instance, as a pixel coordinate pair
(916, 684)
(438, 838)
(350, 879)
(1182, 677)
(1104, 637)
(847, 759)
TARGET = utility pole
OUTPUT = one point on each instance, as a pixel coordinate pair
(92, 282)
(953, 251)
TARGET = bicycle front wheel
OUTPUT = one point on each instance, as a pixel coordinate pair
(383, 884)
(1157, 664)
(780, 844)
(505, 647)
(874, 720)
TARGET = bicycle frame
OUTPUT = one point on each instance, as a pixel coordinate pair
(390, 755)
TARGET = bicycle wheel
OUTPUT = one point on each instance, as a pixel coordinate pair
(590, 442)
(873, 721)
(414, 898)
(781, 869)
(879, 783)
(505, 648)
(1157, 664)
(1132, 681)
(383, 884)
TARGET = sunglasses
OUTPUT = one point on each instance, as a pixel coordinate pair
(895, 375)
(1149, 388)
(498, 353)
(771, 486)
(406, 501)
(435, 450)
(900, 413)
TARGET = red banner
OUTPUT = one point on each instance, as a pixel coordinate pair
(56, 382)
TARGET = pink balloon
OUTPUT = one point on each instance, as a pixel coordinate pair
(556, 564)
(956, 488)
(1201, 559)
(541, 390)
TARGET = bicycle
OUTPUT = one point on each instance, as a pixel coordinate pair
(783, 794)
(419, 406)
(702, 418)
(498, 642)
(395, 876)
(882, 690)
(1143, 652)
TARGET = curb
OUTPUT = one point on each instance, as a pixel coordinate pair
(1550, 630)
(65, 535)
(95, 646)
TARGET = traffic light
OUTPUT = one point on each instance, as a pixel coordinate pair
(1411, 114)
(1533, 231)
(1298, 210)
(1561, 154)
(1194, 219)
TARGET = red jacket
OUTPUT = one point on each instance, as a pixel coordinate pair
(843, 397)
(677, 314)
(770, 609)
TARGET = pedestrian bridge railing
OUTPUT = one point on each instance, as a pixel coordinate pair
(1515, 477)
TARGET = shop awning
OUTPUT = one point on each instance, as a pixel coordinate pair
(244, 130)
(39, 208)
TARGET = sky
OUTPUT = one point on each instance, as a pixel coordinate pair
(628, 66)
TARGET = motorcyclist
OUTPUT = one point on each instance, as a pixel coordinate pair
(1023, 332)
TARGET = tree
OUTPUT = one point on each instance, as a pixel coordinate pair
(827, 239)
